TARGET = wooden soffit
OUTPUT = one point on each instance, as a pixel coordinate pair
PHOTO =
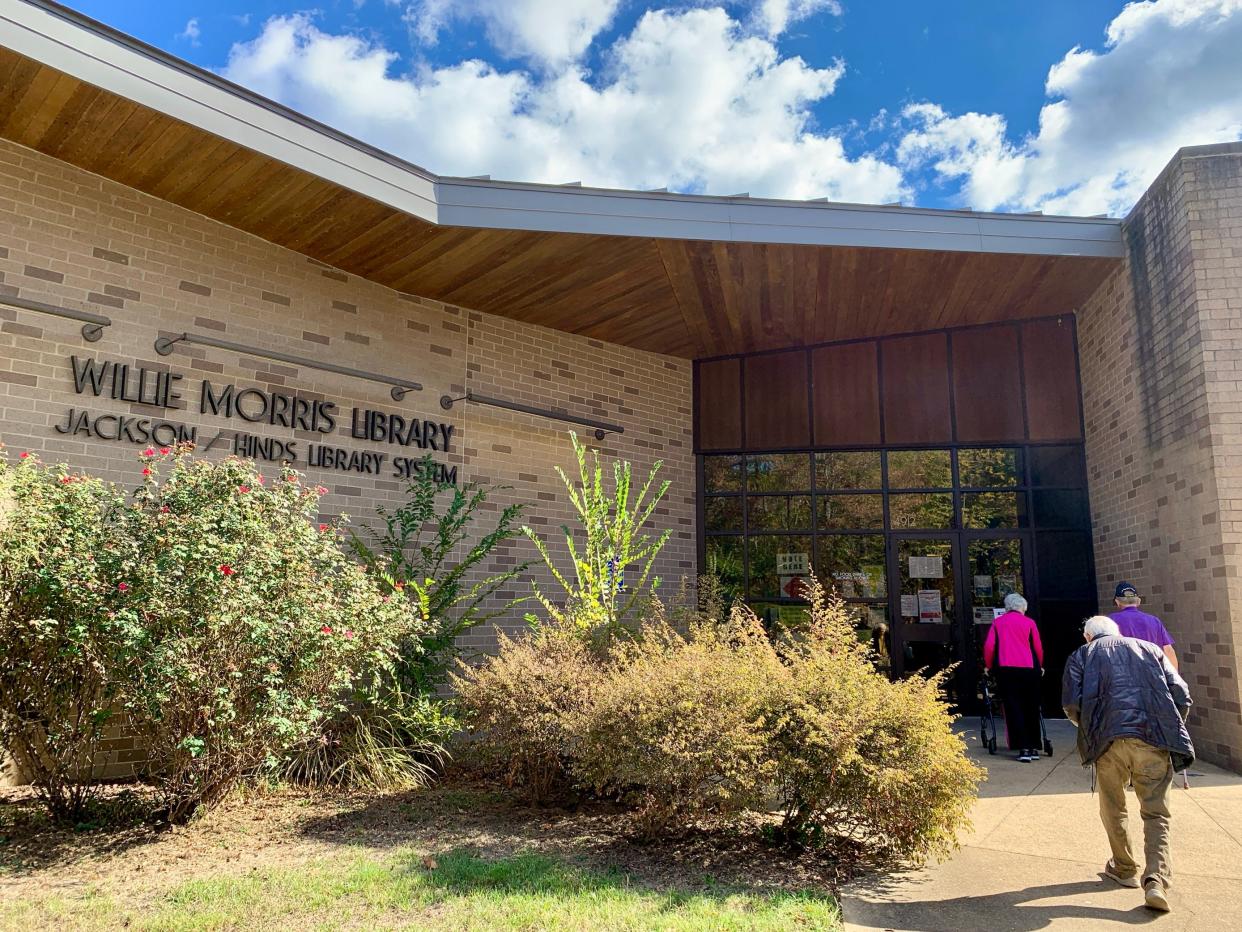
(638, 276)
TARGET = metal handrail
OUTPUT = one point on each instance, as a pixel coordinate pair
(92, 324)
(601, 427)
(164, 346)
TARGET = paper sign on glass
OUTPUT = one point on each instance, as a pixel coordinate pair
(909, 606)
(926, 568)
(930, 608)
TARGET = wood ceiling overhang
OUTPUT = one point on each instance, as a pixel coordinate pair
(692, 277)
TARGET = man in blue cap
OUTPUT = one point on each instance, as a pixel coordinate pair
(1138, 624)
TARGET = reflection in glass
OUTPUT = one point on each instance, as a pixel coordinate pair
(919, 510)
(844, 512)
(722, 474)
(993, 509)
(859, 469)
(995, 571)
(925, 568)
(778, 512)
(777, 615)
(724, 561)
(722, 513)
(778, 472)
(989, 469)
(763, 551)
(920, 469)
(852, 564)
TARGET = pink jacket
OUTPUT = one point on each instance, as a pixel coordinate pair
(1016, 637)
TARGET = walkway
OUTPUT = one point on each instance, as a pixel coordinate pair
(1034, 857)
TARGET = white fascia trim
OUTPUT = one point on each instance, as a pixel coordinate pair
(70, 43)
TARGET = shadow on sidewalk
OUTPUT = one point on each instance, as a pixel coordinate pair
(1011, 911)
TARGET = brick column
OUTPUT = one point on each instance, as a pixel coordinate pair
(1160, 344)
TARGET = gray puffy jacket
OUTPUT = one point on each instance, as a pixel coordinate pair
(1116, 687)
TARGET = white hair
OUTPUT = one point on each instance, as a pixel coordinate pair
(1101, 626)
(1015, 602)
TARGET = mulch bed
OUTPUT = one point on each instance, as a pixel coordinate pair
(288, 827)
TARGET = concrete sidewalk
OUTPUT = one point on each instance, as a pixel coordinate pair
(1034, 857)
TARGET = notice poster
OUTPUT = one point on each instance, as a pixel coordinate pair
(793, 564)
(793, 587)
(1006, 585)
(983, 587)
(909, 606)
(930, 609)
(926, 568)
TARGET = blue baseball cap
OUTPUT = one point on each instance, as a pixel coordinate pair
(1124, 589)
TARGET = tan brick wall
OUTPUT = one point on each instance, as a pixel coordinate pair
(1161, 353)
(73, 239)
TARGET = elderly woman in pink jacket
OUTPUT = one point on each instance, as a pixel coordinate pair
(1014, 653)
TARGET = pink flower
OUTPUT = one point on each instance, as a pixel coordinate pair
(243, 489)
(66, 479)
(122, 587)
(259, 479)
(146, 471)
(164, 451)
(325, 630)
(165, 509)
(323, 527)
(293, 479)
(226, 569)
(348, 635)
(24, 454)
(149, 451)
(321, 489)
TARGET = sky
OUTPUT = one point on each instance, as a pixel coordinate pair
(1060, 106)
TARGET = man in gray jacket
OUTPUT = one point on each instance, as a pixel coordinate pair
(1130, 707)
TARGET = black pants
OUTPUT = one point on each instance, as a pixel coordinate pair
(1019, 693)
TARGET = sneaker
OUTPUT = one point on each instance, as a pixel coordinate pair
(1153, 896)
(1111, 872)
(1025, 757)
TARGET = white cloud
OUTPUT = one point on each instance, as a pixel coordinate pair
(551, 33)
(775, 16)
(688, 99)
(1170, 75)
(191, 32)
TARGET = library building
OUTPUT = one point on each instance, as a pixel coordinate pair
(927, 409)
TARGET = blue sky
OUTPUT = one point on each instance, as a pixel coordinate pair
(1067, 106)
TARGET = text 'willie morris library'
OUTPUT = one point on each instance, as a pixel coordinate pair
(928, 409)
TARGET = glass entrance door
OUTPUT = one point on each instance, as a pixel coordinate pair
(995, 565)
(927, 634)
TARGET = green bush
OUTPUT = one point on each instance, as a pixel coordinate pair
(253, 625)
(62, 644)
(677, 725)
(520, 701)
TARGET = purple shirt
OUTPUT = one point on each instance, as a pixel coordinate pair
(1136, 624)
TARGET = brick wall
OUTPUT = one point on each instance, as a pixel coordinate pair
(1161, 355)
(76, 240)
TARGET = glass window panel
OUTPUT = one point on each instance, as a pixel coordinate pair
(778, 512)
(1061, 508)
(858, 469)
(852, 564)
(764, 550)
(722, 513)
(779, 472)
(722, 474)
(996, 468)
(1057, 466)
(920, 469)
(843, 512)
(1064, 562)
(994, 509)
(915, 510)
(778, 615)
(724, 561)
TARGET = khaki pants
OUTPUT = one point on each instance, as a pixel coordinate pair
(1150, 769)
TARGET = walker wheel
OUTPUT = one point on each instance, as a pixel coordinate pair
(1047, 747)
(992, 744)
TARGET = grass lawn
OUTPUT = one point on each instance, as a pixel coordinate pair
(462, 891)
(446, 858)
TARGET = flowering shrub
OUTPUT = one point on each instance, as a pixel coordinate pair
(62, 645)
(252, 623)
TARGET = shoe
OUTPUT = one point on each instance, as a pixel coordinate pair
(1111, 872)
(1025, 757)
(1153, 896)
